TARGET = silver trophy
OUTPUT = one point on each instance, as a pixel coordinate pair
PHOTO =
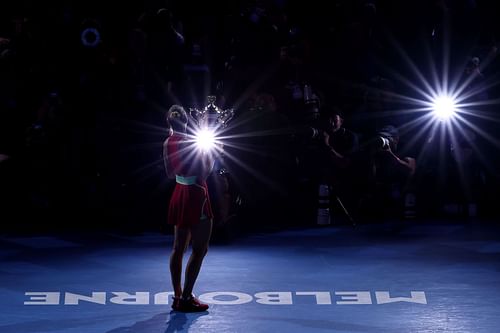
(213, 119)
(211, 116)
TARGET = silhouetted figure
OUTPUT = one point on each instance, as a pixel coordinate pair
(190, 210)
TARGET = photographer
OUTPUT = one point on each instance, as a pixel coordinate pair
(403, 167)
(341, 141)
(340, 170)
(392, 174)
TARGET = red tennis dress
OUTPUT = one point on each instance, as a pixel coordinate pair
(190, 200)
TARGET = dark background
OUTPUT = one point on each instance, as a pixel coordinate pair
(83, 126)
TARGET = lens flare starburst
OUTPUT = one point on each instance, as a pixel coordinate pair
(205, 139)
(444, 107)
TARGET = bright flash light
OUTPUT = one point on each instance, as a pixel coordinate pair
(205, 139)
(444, 107)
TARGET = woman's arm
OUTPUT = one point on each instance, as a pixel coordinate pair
(168, 166)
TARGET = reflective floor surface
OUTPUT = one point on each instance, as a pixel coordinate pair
(375, 278)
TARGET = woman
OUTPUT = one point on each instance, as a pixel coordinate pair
(189, 209)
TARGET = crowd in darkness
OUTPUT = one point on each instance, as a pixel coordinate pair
(85, 86)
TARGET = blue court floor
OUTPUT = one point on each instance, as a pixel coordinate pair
(423, 278)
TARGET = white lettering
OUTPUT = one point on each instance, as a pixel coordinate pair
(162, 298)
(354, 297)
(383, 297)
(322, 297)
(274, 298)
(43, 298)
(73, 299)
(240, 298)
(139, 298)
(222, 298)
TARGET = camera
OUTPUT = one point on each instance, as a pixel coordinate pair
(315, 133)
(307, 133)
(384, 143)
(387, 137)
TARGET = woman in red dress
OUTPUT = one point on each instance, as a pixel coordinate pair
(189, 210)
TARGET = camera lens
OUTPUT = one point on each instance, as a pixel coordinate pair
(384, 143)
(315, 133)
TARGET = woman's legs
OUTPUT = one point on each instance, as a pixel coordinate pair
(181, 240)
(200, 237)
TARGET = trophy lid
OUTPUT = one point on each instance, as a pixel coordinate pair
(211, 115)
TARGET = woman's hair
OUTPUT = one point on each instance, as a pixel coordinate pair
(177, 118)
